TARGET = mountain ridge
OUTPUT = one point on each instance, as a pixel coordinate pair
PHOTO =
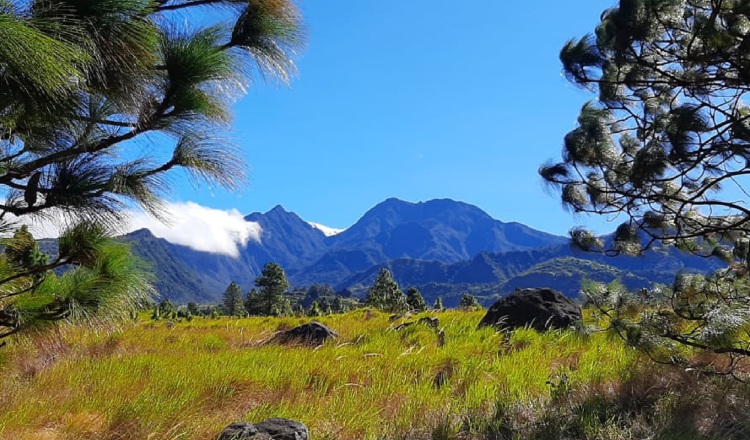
(442, 243)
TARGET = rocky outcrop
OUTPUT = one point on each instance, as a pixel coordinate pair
(540, 309)
(271, 429)
(313, 333)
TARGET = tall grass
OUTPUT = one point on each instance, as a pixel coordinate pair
(187, 380)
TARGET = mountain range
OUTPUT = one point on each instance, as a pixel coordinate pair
(443, 247)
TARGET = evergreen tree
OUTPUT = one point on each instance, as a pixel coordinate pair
(669, 131)
(314, 310)
(253, 305)
(99, 102)
(325, 306)
(415, 300)
(193, 309)
(337, 306)
(272, 283)
(469, 301)
(438, 304)
(386, 295)
(166, 309)
(232, 303)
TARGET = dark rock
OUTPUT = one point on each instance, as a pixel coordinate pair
(283, 429)
(540, 309)
(429, 321)
(396, 317)
(403, 325)
(271, 429)
(241, 431)
(440, 379)
(312, 333)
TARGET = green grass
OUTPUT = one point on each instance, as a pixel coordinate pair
(155, 380)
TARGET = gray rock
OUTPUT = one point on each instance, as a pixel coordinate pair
(240, 431)
(283, 429)
(541, 309)
(271, 429)
(312, 333)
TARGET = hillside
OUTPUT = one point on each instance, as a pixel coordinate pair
(188, 380)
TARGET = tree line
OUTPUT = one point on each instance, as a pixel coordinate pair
(271, 296)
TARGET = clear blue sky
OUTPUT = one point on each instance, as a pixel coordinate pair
(417, 100)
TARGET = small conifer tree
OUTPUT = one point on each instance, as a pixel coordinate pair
(386, 295)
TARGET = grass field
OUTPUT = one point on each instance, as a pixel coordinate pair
(187, 380)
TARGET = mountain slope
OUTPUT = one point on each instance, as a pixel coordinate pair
(444, 244)
(441, 230)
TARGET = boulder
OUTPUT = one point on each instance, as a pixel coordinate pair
(271, 429)
(242, 431)
(283, 429)
(541, 309)
(312, 333)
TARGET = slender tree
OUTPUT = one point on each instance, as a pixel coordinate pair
(438, 304)
(667, 146)
(99, 100)
(272, 283)
(233, 303)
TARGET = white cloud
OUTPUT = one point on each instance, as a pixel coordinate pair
(190, 224)
(201, 228)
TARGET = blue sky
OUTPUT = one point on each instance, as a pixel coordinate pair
(416, 100)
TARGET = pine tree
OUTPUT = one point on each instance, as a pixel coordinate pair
(232, 303)
(386, 295)
(438, 304)
(469, 301)
(314, 310)
(272, 283)
(415, 300)
(253, 305)
(669, 130)
(99, 102)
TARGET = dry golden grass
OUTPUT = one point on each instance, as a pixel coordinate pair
(155, 380)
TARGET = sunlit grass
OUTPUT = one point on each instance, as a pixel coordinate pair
(188, 380)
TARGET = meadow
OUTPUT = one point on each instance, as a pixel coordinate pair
(166, 380)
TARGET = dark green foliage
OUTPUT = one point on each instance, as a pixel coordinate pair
(166, 309)
(193, 309)
(469, 301)
(325, 306)
(438, 304)
(252, 303)
(88, 89)
(314, 310)
(415, 300)
(23, 251)
(669, 131)
(385, 294)
(272, 284)
(233, 303)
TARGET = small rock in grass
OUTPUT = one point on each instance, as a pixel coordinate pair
(313, 333)
(271, 429)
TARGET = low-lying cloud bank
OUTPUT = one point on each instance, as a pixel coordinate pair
(189, 224)
(201, 228)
